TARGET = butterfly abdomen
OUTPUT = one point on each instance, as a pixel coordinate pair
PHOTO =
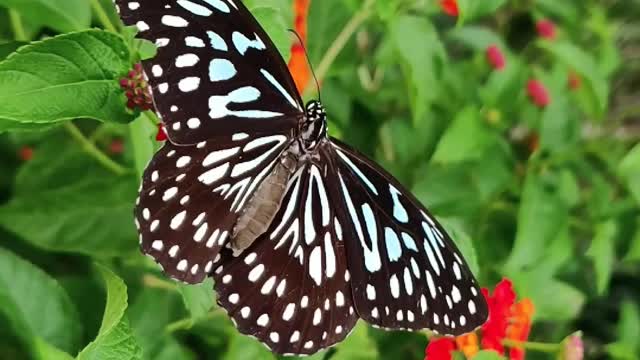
(264, 204)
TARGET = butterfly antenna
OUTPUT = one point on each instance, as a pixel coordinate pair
(306, 54)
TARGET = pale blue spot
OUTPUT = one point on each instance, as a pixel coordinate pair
(217, 42)
(371, 259)
(399, 212)
(194, 8)
(434, 242)
(393, 244)
(244, 94)
(432, 258)
(219, 4)
(358, 172)
(221, 69)
(409, 242)
(243, 43)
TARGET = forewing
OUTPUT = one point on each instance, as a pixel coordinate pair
(191, 197)
(216, 71)
(406, 271)
(291, 289)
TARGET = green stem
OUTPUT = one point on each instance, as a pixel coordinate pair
(531, 345)
(92, 150)
(339, 43)
(17, 26)
(103, 17)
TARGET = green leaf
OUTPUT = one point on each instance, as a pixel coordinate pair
(358, 346)
(463, 241)
(244, 347)
(115, 339)
(629, 171)
(554, 300)
(23, 287)
(633, 254)
(46, 351)
(199, 298)
(142, 133)
(420, 62)
(465, 139)
(487, 355)
(7, 49)
(471, 9)
(583, 64)
(478, 38)
(541, 216)
(79, 81)
(602, 252)
(629, 325)
(60, 15)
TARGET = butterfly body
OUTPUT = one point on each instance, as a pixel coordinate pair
(302, 234)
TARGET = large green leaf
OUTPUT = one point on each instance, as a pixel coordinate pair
(80, 80)
(466, 138)
(115, 340)
(629, 171)
(602, 251)
(199, 299)
(60, 15)
(36, 305)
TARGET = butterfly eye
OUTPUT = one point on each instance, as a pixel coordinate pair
(302, 234)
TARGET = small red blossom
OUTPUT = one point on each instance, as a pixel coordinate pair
(574, 81)
(450, 7)
(162, 133)
(440, 349)
(500, 302)
(496, 57)
(26, 153)
(137, 90)
(116, 147)
(538, 93)
(546, 29)
(298, 65)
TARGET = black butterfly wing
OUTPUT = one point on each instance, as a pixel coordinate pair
(192, 196)
(216, 71)
(291, 289)
(406, 271)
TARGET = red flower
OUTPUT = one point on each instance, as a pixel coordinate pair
(298, 65)
(495, 57)
(538, 93)
(520, 326)
(137, 90)
(574, 80)
(116, 146)
(450, 7)
(26, 153)
(162, 133)
(440, 349)
(495, 329)
(546, 29)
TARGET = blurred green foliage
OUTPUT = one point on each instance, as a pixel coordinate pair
(546, 196)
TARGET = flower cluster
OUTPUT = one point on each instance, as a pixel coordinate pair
(450, 7)
(136, 88)
(508, 320)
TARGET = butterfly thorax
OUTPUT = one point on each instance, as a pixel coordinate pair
(314, 128)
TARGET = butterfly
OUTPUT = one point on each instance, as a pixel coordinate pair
(302, 234)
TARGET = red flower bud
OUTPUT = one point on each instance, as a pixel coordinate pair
(137, 90)
(26, 153)
(450, 7)
(116, 147)
(495, 57)
(574, 80)
(546, 29)
(538, 93)
(162, 134)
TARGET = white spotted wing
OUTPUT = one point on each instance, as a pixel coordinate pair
(406, 271)
(192, 196)
(216, 71)
(292, 288)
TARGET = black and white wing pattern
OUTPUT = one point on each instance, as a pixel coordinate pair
(291, 289)
(192, 196)
(406, 273)
(216, 71)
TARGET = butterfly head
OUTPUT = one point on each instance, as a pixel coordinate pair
(314, 127)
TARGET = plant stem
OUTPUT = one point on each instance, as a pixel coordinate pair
(16, 26)
(102, 15)
(339, 43)
(531, 345)
(93, 151)
(187, 323)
